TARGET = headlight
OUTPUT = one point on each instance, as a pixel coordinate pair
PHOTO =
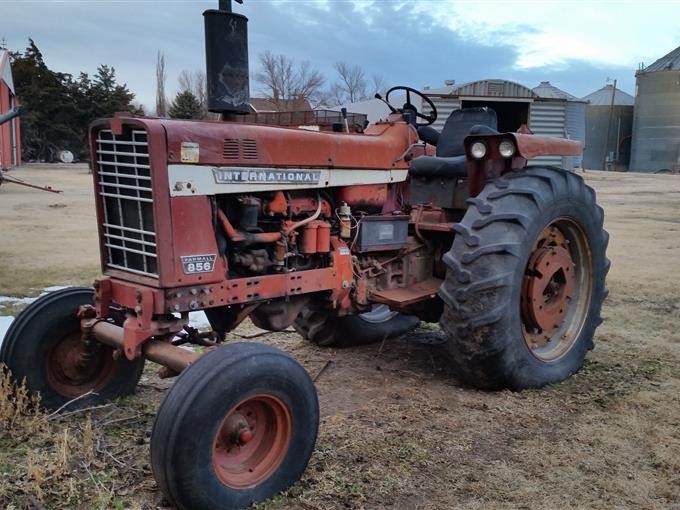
(506, 148)
(478, 150)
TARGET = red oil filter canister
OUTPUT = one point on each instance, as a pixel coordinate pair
(323, 237)
(309, 237)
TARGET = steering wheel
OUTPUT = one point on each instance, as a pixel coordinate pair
(409, 106)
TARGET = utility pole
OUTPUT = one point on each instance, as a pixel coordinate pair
(609, 128)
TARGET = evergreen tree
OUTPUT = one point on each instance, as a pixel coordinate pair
(185, 106)
(60, 108)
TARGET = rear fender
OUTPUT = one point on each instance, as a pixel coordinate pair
(527, 147)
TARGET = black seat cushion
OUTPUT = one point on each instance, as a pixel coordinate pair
(434, 166)
(428, 134)
(459, 125)
(450, 158)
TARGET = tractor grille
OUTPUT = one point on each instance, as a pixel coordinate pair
(124, 177)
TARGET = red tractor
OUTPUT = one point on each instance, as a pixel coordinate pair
(349, 237)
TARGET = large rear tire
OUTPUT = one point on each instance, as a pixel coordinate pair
(525, 280)
(327, 330)
(237, 427)
(43, 347)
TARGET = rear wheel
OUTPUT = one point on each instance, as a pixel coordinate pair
(327, 330)
(43, 346)
(237, 427)
(525, 280)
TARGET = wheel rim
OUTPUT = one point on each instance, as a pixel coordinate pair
(556, 287)
(71, 374)
(378, 314)
(252, 441)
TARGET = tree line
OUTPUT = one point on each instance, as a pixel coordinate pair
(280, 79)
(59, 107)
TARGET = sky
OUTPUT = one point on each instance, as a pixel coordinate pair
(576, 45)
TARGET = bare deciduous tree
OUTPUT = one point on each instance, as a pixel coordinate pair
(378, 85)
(283, 79)
(161, 77)
(351, 86)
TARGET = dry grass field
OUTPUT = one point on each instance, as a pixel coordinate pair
(398, 429)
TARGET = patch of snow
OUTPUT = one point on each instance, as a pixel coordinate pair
(17, 300)
(12, 300)
(5, 321)
(198, 320)
(54, 288)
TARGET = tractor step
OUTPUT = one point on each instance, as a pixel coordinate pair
(405, 296)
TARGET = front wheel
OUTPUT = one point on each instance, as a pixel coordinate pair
(43, 347)
(237, 427)
(525, 280)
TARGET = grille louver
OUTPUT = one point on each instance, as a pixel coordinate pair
(249, 149)
(230, 149)
(124, 178)
(234, 148)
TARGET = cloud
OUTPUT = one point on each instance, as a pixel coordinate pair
(555, 33)
(575, 45)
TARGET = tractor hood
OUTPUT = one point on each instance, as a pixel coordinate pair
(215, 143)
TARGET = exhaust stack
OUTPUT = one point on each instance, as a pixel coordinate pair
(226, 56)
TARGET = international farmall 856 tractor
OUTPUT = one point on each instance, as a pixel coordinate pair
(346, 236)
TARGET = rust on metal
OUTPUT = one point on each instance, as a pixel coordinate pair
(532, 146)
(69, 375)
(15, 180)
(404, 296)
(252, 441)
(547, 288)
(239, 237)
(163, 353)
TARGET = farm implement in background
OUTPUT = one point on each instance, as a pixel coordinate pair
(4, 176)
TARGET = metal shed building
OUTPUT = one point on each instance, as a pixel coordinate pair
(602, 153)
(546, 110)
(656, 121)
(10, 142)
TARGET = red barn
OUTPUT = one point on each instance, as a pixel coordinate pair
(10, 141)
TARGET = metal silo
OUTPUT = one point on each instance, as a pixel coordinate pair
(558, 113)
(613, 153)
(656, 122)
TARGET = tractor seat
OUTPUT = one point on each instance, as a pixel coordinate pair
(450, 160)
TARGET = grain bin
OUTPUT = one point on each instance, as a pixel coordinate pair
(613, 153)
(656, 121)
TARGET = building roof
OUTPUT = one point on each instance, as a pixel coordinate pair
(262, 105)
(669, 62)
(603, 97)
(5, 71)
(546, 90)
(482, 88)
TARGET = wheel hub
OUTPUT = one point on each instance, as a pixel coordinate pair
(69, 375)
(548, 288)
(252, 441)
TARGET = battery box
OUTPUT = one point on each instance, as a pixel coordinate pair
(380, 233)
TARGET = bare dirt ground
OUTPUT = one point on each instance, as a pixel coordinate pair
(398, 430)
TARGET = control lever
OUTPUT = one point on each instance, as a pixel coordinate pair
(343, 110)
(392, 108)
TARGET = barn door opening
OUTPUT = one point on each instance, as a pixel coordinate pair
(511, 114)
